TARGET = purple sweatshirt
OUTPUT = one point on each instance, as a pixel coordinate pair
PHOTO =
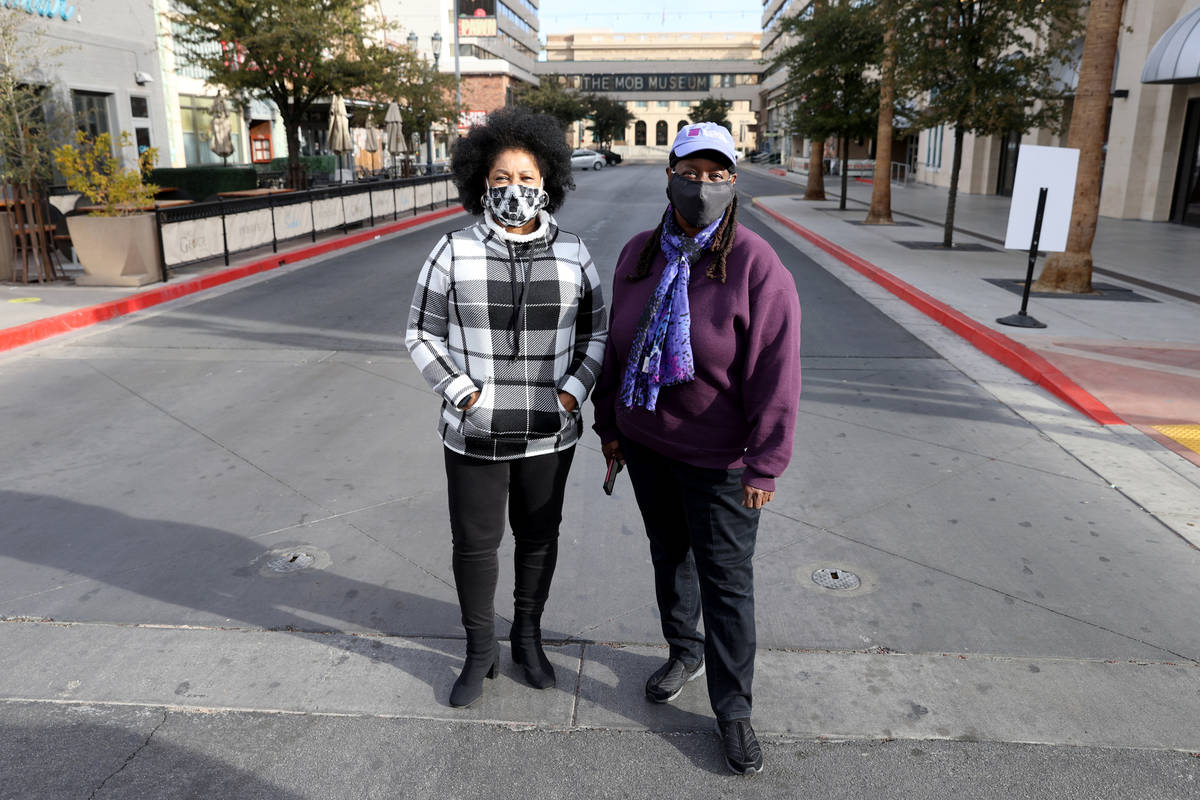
(741, 408)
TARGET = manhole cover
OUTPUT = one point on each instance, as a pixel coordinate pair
(834, 578)
(291, 561)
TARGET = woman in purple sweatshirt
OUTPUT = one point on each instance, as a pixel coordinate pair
(698, 397)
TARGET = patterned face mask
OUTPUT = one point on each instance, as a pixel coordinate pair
(515, 205)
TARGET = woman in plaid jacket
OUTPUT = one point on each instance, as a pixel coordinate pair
(507, 325)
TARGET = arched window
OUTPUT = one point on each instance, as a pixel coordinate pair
(639, 132)
(660, 133)
(682, 124)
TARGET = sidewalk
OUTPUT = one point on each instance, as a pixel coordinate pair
(1135, 347)
(31, 312)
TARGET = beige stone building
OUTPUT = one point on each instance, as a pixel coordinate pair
(1152, 162)
(660, 77)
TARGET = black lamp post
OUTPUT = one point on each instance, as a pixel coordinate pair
(436, 39)
(411, 163)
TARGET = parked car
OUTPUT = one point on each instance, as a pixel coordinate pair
(610, 157)
(587, 159)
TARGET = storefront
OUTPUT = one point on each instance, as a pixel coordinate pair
(106, 69)
(1175, 61)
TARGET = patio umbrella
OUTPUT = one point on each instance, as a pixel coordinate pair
(393, 130)
(340, 142)
(221, 128)
(393, 133)
(371, 139)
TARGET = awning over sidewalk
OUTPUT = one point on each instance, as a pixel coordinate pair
(1176, 57)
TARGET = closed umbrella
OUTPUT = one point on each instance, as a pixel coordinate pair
(371, 140)
(221, 128)
(340, 142)
(393, 132)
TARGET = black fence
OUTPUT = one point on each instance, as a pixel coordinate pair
(198, 232)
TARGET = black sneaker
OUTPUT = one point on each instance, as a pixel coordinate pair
(742, 753)
(668, 680)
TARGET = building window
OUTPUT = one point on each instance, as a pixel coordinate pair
(196, 120)
(933, 147)
(639, 133)
(664, 103)
(260, 142)
(139, 109)
(91, 112)
(640, 104)
(681, 125)
(660, 133)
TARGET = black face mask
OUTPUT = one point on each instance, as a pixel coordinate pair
(700, 203)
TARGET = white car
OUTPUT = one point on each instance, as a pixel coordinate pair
(587, 159)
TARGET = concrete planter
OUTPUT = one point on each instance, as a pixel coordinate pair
(116, 251)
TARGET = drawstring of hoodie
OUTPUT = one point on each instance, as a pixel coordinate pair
(515, 323)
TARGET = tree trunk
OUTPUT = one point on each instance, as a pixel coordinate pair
(291, 126)
(948, 232)
(815, 190)
(845, 145)
(1071, 271)
(881, 188)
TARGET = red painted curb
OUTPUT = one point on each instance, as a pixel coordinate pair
(41, 329)
(777, 171)
(1008, 352)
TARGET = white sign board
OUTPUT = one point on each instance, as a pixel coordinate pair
(1053, 168)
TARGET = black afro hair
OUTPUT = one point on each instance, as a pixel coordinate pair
(509, 128)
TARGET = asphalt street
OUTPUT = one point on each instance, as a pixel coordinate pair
(224, 569)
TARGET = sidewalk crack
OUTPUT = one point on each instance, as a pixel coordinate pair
(130, 758)
(578, 687)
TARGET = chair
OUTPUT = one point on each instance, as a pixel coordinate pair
(32, 236)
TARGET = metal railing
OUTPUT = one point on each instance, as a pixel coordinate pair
(219, 228)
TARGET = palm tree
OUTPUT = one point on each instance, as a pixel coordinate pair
(1071, 271)
(880, 212)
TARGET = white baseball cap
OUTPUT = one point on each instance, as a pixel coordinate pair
(704, 136)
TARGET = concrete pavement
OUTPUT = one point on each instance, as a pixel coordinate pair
(1021, 625)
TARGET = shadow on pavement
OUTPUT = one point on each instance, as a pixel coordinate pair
(62, 753)
(166, 571)
(216, 573)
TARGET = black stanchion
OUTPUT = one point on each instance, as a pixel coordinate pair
(271, 209)
(224, 235)
(1021, 319)
(162, 253)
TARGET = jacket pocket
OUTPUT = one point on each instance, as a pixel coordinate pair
(515, 411)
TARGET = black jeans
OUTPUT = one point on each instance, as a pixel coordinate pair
(702, 545)
(478, 490)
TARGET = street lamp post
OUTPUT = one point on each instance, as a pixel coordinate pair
(413, 40)
(437, 52)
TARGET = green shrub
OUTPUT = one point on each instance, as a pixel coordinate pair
(202, 182)
(313, 165)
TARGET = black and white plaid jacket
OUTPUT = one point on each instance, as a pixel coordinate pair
(517, 318)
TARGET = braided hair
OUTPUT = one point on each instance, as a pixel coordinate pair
(722, 243)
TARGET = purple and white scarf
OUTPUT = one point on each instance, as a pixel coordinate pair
(661, 354)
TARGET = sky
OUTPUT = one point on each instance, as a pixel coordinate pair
(649, 16)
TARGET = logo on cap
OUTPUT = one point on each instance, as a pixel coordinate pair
(694, 132)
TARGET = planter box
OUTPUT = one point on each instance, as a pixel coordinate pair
(116, 251)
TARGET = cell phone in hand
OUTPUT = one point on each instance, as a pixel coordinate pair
(610, 477)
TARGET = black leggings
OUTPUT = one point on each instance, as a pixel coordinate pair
(477, 491)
